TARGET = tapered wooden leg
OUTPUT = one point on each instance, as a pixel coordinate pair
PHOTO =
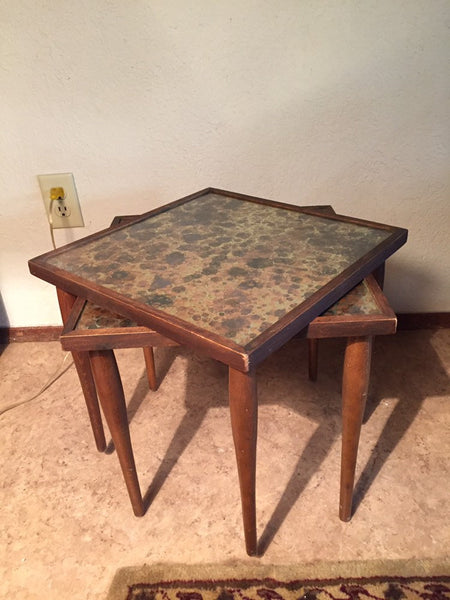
(244, 422)
(83, 366)
(313, 353)
(150, 366)
(110, 393)
(66, 302)
(379, 274)
(355, 383)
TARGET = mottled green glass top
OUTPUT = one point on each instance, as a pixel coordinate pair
(95, 317)
(229, 266)
(358, 301)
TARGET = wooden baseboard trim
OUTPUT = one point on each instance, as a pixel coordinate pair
(29, 334)
(411, 321)
(406, 322)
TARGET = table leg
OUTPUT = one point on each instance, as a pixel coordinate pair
(83, 367)
(313, 353)
(150, 367)
(355, 383)
(244, 421)
(110, 393)
(66, 302)
(379, 274)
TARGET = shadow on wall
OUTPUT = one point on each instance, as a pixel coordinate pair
(412, 285)
(4, 325)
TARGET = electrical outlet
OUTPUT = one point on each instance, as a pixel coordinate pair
(61, 200)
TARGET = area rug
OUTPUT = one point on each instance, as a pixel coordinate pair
(373, 580)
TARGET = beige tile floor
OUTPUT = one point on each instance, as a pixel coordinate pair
(65, 521)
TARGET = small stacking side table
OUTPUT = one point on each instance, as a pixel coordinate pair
(230, 276)
(363, 313)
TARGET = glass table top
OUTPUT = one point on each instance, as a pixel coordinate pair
(358, 301)
(234, 268)
(217, 263)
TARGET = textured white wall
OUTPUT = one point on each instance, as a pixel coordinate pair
(303, 101)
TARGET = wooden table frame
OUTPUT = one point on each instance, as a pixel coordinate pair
(241, 360)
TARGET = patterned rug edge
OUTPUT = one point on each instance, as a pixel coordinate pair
(127, 577)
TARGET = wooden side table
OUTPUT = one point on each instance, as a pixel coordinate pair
(230, 276)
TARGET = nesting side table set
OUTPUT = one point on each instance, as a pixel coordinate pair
(233, 277)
